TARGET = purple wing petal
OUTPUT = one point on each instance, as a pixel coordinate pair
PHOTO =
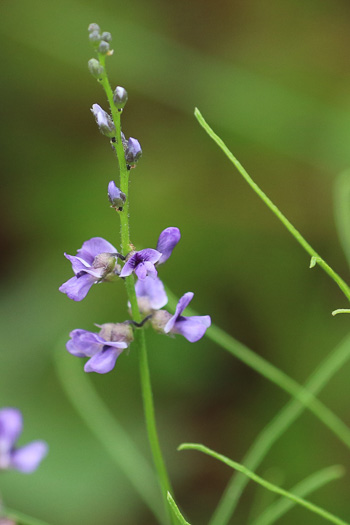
(184, 301)
(103, 361)
(167, 241)
(94, 247)
(26, 459)
(84, 343)
(77, 287)
(192, 328)
(141, 271)
(78, 264)
(150, 255)
(153, 289)
(10, 427)
(129, 266)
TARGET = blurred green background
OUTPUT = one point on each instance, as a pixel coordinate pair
(273, 80)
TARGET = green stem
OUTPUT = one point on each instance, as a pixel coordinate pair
(276, 428)
(21, 519)
(273, 374)
(176, 510)
(140, 341)
(296, 234)
(269, 486)
(305, 487)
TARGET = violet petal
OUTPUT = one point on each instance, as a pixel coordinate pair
(77, 288)
(10, 428)
(26, 459)
(153, 289)
(103, 361)
(94, 247)
(167, 241)
(192, 328)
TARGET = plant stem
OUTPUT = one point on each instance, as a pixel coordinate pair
(269, 486)
(296, 234)
(140, 340)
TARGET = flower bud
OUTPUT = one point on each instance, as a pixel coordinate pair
(95, 38)
(106, 36)
(103, 48)
(133, 151)
(120, 97)
(115, 196)
(94, 27)
(104, 121)
(95, 68)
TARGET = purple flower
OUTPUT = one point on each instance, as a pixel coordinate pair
(103, 120)
(133, 151)
(25, 459)
(103, 348)
(192, 328)
(142, 263)
(116, 197)
(95, 262)
(167, 241)
(150, 294)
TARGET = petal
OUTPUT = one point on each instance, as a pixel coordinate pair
(78, 264)
(183, 302)
(141, 271)
(10, 428)
(103, 361)
(94, 247)
(167, 241)
(192, 328)
(26, 459)
(153, 289)
(129, 266)
(84, 343)
(77, 287)
(150, 255)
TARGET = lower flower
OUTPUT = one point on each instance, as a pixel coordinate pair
(102, 348)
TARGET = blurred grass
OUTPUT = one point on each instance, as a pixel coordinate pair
(273, 80)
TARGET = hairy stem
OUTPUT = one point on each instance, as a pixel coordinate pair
(140, 340)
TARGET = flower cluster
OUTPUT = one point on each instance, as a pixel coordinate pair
(95, 262)
(98, 261)
(25, 459)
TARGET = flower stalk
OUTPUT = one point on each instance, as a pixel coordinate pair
(140, 339)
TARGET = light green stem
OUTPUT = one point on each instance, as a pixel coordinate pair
(276, 376)
(313, 482)
(276, 428)
(79, 389)
(20, 518)
(269, 486)
(296, 234)
(176, 510)
(140, 341)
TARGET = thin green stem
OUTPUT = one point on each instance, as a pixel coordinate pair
(176, 510)
(118, 444)
(140, 341)
(308, 485)
(20, 518)
(266, 484)
(273, 374)
(276, 428)
(296, 234)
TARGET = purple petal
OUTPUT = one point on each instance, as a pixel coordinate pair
(26, 459)
(192, 328)
(128, 267)
(94, 247)
(77, 287)
(150, 255)
(116, 197)
(167, 241)
(78, 264)
(183, 302)
(84, 343)
(141, 271)
(103, 361)
(153, 289)
(10, 428)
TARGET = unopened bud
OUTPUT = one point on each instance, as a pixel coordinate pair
(103, 48)
(120, 97)
(104, 121)
(94, 27)
(95, 38)
(133, 151)
(116, 197)
(106, 36)
(95, 68)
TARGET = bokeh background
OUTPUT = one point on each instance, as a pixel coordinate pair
(273, 79)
